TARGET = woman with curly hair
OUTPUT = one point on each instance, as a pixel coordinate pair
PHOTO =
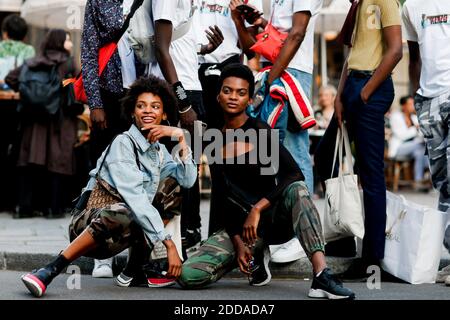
(119, 213)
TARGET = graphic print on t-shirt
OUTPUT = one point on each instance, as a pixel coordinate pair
(214, 8)
(428, 21)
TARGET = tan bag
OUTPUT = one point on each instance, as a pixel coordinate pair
(103, 195)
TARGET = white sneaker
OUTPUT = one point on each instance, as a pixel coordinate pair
(102, 268)
(287, 252)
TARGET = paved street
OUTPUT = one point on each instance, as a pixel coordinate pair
(226, 289)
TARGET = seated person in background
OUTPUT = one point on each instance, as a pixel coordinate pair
(13, 51)
(324, 111)
(127, 176)
(406, 141)
(264, 202)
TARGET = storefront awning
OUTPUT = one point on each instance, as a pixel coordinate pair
(10, 5)
(64, 14)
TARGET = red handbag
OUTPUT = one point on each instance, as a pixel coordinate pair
(269, 43)
(104, 55)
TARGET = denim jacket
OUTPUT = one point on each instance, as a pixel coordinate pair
(138, 186)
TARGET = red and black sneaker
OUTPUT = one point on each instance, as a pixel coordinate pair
(156, 273)
(38, 280)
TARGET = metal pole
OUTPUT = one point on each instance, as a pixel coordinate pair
(323, 55)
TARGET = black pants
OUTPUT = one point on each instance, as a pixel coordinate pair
(100, 139)
(42, 190)
(9, 144)
(190, 210)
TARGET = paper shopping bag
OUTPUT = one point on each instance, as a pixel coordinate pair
(414, 236)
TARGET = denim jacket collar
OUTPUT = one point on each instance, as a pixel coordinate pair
(142, 143)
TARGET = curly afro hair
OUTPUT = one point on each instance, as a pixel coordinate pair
(156, 86)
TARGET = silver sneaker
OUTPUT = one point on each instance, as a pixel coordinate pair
(447, 281)
(443, 274)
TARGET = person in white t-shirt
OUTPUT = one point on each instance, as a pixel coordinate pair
(215, 13)
(427, 30)
(406, 141)
(218, 13)
(177, 63)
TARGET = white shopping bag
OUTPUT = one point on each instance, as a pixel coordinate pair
(414, 236)
(343, 216)
(174, 229)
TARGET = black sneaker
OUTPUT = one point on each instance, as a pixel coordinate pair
(131, 279)
(259, 268)
(357, 272)
(192, 239)
(326, 285)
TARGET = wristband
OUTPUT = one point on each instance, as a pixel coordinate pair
(182, 97)
(199, 49)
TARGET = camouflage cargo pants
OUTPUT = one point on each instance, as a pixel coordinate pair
(216, 256)
(434, 120)
(112, 227)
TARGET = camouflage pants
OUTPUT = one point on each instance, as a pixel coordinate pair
(434, 120)
(216, 256)
(112, 227)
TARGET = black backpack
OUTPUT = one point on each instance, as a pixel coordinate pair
(40, 91)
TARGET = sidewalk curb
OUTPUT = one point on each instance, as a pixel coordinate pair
(298, 269)
(28, 261)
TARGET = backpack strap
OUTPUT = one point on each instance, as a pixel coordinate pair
(104, 158)
(136, 4)
(185, 27)
(138, 163)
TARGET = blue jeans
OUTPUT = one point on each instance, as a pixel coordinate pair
(365, 123)
(298, 142)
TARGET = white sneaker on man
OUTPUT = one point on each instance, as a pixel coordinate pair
(287, 252)
(103, 268)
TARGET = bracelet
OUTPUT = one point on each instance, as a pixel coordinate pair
(199, 49)
(184, 111)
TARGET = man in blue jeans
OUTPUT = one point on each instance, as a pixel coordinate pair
(364, 95)
(298, 18)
